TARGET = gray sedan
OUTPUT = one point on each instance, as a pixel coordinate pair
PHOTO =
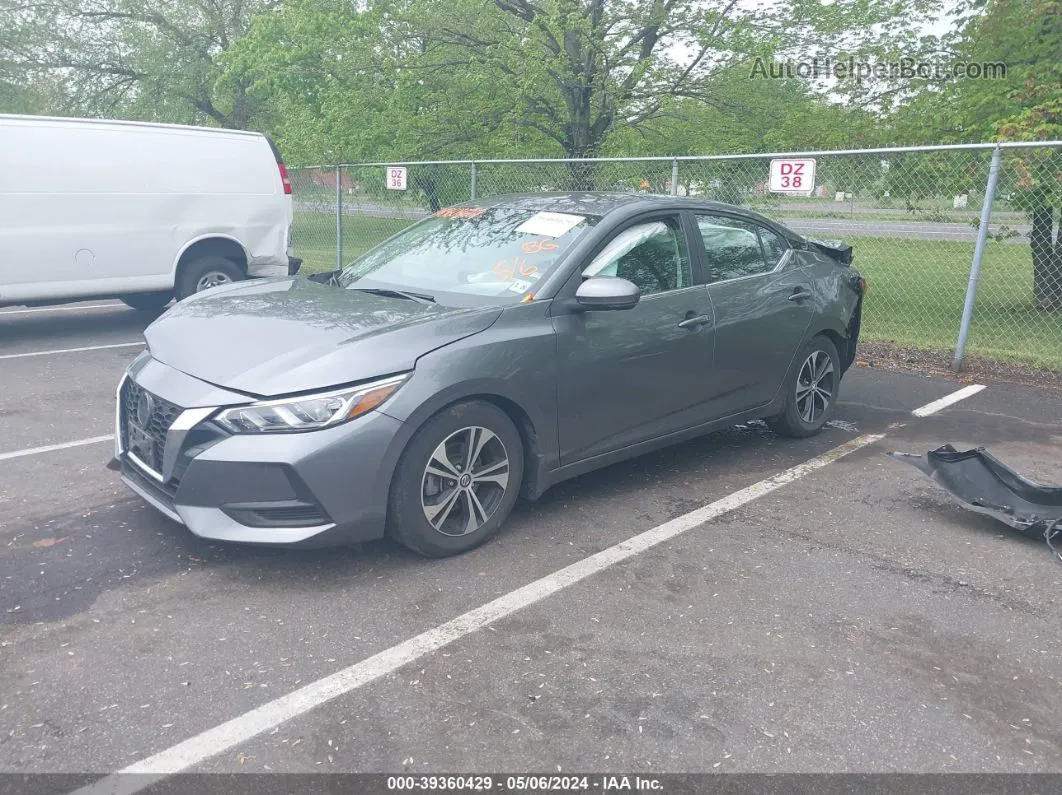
(484, 353)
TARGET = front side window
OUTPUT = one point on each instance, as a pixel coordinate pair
(496, 253)
(653, 255)
(734, 249)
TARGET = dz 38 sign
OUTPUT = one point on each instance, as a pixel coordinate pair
(795, 176)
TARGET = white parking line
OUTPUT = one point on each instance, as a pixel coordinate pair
(69, 350)
(59, 309)
(947, 400)
(212, 742)
(48, 448)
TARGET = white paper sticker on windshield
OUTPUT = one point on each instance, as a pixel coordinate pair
(550, 224)
(519, 286)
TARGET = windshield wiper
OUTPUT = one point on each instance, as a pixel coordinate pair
(420, 298)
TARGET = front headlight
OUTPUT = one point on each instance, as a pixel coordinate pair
(309, 412)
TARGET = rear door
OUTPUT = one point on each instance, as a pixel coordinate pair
(632, 375)
(764, 304)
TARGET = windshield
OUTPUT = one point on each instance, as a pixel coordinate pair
(496, 253)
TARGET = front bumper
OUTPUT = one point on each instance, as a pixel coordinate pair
(318, 488)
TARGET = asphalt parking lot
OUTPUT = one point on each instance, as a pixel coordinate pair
(844, 617)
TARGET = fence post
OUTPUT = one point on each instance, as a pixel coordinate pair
(975, 266)
(339, 218)
(473, 196)
(674, 177)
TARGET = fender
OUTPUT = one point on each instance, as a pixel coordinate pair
(200, 239)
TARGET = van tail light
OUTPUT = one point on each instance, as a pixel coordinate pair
(284, 177)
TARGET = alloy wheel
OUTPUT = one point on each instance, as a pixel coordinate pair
(464, 481)
(815, 386)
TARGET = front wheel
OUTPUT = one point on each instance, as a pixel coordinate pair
(457, 481)
(811, 391)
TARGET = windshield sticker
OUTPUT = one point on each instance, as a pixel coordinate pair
(460, 212)
(550, 224)
(519, 286)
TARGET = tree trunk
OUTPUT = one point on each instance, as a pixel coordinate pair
(582, 176)
(1046, 259)
(430, 188)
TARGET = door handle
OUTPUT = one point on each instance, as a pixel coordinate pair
(694, 321)
(800, 294)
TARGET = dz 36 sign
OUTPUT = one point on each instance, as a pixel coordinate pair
(396, 177)
(792, 176)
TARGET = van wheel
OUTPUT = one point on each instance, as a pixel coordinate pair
(147, 302)
(206, 272)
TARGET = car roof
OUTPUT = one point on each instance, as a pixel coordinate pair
(601, 203)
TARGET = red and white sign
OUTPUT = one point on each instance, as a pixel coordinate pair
(396, 177)
(792, 176)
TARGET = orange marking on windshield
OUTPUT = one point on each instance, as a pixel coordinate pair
(520, 266)
(538, 246)
(460, 212)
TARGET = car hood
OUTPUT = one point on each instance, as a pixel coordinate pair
(284, 336)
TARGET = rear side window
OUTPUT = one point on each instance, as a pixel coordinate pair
(735, 249)
(774, 246)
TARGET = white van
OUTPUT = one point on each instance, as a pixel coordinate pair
(140, 212)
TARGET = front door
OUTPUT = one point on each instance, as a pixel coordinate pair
(631, 375)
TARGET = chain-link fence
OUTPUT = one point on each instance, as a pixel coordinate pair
(913, 217)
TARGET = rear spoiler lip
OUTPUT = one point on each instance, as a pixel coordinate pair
(837, 250)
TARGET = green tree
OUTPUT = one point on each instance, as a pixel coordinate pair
(489, 78)
(156, 60)
(1027, 36)
(1025, 104)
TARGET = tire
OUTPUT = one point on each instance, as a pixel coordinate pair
(440, 444)
(147, 302)
(205, 272)
(804, 413)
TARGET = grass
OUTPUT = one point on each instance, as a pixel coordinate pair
(917, 289)
(315, 238)
(922, 216)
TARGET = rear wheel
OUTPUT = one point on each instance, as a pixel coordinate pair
(147, 302)
(811, 391)
(206, 272)
(457, 481)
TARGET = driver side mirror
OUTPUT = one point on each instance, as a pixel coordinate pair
(607, 293)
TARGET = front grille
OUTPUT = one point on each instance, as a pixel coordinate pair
(296, 514)
(145, 420)
(162, 492)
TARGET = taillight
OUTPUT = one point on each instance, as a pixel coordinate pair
(284, 177)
